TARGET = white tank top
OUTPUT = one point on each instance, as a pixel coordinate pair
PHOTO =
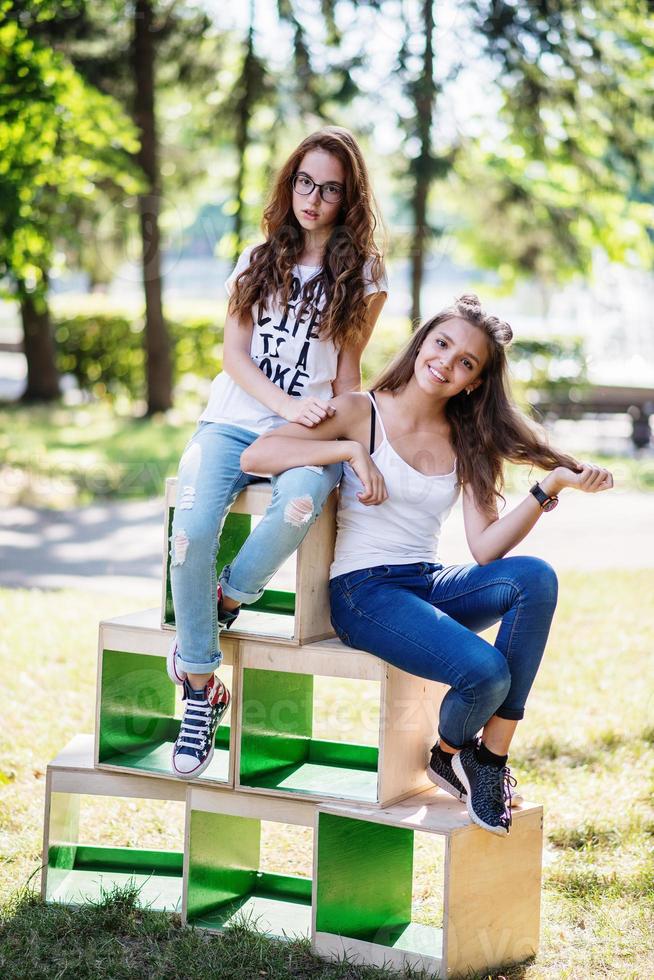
(405, 528)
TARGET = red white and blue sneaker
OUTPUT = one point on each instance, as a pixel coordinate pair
(488, 791)
(194, 748)
(225, 619)
(175, 673)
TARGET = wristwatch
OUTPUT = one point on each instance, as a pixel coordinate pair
(546, 502)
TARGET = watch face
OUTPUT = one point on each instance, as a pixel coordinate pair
(550, 504)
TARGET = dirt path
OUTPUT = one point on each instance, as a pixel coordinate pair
(117, 547)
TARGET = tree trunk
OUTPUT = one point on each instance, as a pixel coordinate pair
(243, 116)
(241, 145)
(159, 379)
(38, 344)
(419, 206)
(425, 97)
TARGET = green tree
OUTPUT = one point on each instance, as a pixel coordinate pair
(253, 86)
(575, 128)
(521, 217)
(134, 52)
(575, 89)
(159, 368)
(318, 92)
(59, 140)
(423, 86)
(304, 94)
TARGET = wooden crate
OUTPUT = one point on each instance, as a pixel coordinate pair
(363, 867)
(277, 752)
(75, 871)
(223, 879)
(299, 615)
(135, 702)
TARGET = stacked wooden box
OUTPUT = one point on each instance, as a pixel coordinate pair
(366, 801)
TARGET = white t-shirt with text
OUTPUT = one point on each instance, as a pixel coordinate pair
(288, 350)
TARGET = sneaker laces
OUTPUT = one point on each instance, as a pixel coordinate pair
(196, 723)
(501, 793)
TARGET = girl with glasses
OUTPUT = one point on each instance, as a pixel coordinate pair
(441, 422)
(302, 306)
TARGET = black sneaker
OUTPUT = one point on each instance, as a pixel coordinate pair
(488, 791)
(225, 616)
(193, 750)
(225, 619)
(442, 775)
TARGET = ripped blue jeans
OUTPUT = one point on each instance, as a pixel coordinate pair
(209, 480)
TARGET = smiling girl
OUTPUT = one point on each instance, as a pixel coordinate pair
(302, 306)
(440, 421)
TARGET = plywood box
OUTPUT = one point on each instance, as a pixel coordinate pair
(138, 706)
(223, 877)
(299, 614)
(278, 751)
(362, 895)
(76, 871)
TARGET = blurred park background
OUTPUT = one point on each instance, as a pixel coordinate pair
(511, 149)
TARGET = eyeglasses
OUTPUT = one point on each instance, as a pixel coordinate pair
(331, 193)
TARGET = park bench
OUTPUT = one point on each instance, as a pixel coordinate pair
(598, 399)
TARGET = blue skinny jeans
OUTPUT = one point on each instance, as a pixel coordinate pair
(209, 480)
(424, 619)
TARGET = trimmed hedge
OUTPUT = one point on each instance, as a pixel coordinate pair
(104, 352)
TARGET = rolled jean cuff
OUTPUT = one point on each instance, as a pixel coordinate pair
(192, 667)
(511, 714)
(453, 743)
(232, 593)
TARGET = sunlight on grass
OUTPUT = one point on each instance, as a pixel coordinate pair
(68, 456)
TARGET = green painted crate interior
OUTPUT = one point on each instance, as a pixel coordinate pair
(226, 884)
(236, 529)
(137, 716)
(79, 874)
(278, 747)
(368, 889)
(141, 846)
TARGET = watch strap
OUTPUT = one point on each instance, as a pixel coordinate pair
(540, 495)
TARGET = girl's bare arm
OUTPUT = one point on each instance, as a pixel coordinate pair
(296, 445)
(491, 538)
(348, 372)
(338, 439)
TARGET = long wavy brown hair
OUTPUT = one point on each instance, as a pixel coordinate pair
(350, 245)
(487, 426)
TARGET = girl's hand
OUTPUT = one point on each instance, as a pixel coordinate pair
(307, 411)
(592, 479)
(374, 489)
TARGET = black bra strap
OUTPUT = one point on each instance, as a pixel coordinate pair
(373, 423)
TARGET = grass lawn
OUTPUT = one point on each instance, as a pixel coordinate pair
(66, 456)
(585, 750)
